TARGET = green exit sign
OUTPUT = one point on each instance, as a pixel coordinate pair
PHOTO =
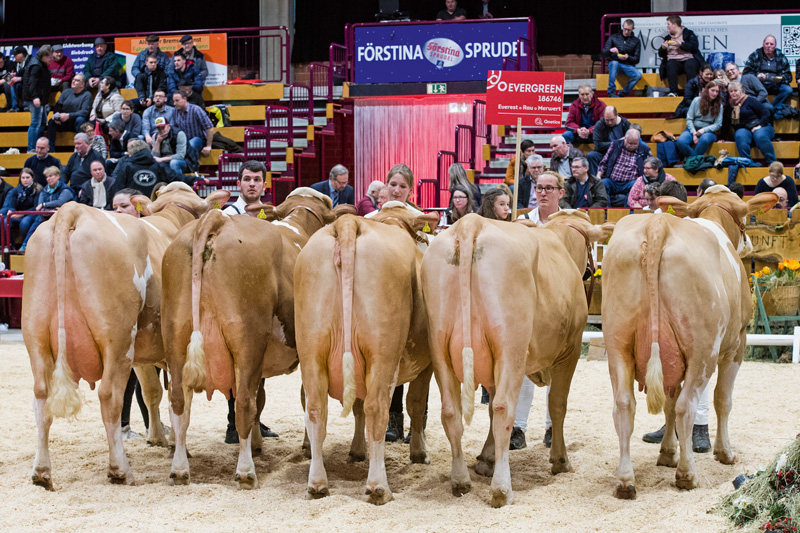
(437, 88)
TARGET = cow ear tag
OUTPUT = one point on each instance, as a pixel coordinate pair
(670, 210)
(139, 207)
(759, 212)
(217, 206)
(427, 228)
(262, 215)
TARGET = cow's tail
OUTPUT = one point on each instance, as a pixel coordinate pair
(655, 238)
(63, 399)
(194, 370)
(465, 243)
(345, 255)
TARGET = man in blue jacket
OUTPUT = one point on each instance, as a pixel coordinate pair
(152, 48)
(622, 164)
(336, 187)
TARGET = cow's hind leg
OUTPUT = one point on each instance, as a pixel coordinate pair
(450, 390)
(509, 382)
(110, 393)
(668, 455)
(179, 473)
(723, 402)
(315, 384)
(621, 370)
(358, 447)
(376, 409)
(307, 443)
(557, 404)
(416, 402)
(256, 440)
(485, 464)
(42, 366)
(152, 392)
(685, 411)
(246, 392)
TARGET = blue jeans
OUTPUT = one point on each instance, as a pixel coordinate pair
(685, 143)
(37, 219)
(763, 138)
(197, 143)
(782, 92)
(37, 124)
(178, 165)
(23, 224)
(632, 72)
(617, 189)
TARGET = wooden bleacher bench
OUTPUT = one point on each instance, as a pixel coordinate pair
(649, 79)
(228, 93)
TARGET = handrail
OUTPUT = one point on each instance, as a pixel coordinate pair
(319, 76)
(339, 65)
(301, 100)
(465, 145)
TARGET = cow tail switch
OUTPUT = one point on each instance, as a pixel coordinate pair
(346, 232)
(63, 400)
(466, 244)
(656, 236)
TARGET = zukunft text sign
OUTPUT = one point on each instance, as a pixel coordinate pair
(537, 98)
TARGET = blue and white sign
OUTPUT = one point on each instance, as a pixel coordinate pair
(434, 52)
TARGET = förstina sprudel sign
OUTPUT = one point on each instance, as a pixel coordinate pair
(434, 52)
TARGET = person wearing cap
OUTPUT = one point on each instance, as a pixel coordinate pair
(194, 122)
(71, 110)
(36, 93)
(158, 109)
(181, 71)
(152, 47)
(195, 58)
(170, 145)
(148, 81)
(100, 64)
(185, 85)
(62, 69)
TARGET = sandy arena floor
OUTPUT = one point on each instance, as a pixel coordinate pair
(766, 408)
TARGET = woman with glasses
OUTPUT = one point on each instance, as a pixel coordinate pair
(458, 176)
(549, 192)
(460, 205)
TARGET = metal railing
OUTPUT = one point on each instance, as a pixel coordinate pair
(319, 76)
(301, 102)
(5, 232)
(465, 145)
(278, 122)
(339, 65)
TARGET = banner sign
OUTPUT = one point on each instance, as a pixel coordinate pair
(213, 46)
(397, 53)
(535, 97)
(723, 38)
(78, 52)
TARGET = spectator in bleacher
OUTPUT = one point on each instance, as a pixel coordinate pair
(107, 102)
(607, 130)
(674, 189)
(693, 89)
(41, 160)
(152, 49)
(622, 51)
(128, 120)
(118, 139)
(451, 11)
(151, 79)
(752, 86)
(775, 179)
(62, 69)
(457, 175)
(549, 192)
(738, 189)
(195, 59)
(680, 53)
(651, 193)
(78, 168)
(71, 110)
(97, 142)
(369, 202)
(383, 196)
(336, 186)
(7, 73)
(140, 171)
(535, 169)
(750, 121)
(51, 197)
(562, 156)
(582, 189)
(21, 198)
(97, 191)
(622, 164)
(460, 205)
(496, 205)
(703, 122)
(170, 146)
(653, 173)
(526, 148)
(101, 64)
(252, 175)
(720, 77)
(194, 122)
(22, 60)
(192, 96)
(182, 71)
(783, 198)
(36, 93)
(772, 69)
(706, 183)
(583, 115)
(159, 109)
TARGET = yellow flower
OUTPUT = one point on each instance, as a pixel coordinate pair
(765, 270)
(781, 266)
(758, 274)
(793, 264)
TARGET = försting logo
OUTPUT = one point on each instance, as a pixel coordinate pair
(443, 52)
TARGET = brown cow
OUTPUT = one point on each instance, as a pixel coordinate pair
(505, 301)
(91, 309)
(228, 296)
(676, 303)
(376, 339)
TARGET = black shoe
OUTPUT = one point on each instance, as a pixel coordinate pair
(266, 432)
(656, 436)
(231, 435)
(394, 431)
(548, 437)
(700, 441)
(517, 439)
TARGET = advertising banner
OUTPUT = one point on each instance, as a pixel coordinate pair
(535, 97)
(395, 53)
(78, 52)
(213, 45)
(723, 38)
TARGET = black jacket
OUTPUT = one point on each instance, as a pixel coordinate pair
(76, 173)
(597, 196)
(86, 194)
(626, 45)
(36, 82)
(690, 45)
(692, 90)
(141, 172)
(145, 88)
(603, 136)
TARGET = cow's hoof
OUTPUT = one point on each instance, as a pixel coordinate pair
(667, 458)
(484, 468)
(246, 481)
(420, 458)
(355, 457)
(379, 495)
(161, 441)
(460, 488)
(317, 493)
(625, 493)
(42, 479)
(179, 478)
(726, 458)
(560, 466)
(117, 477)
(502, 497)
(685, 481)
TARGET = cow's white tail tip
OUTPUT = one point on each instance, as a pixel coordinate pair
(468, 387)
(63, 400)
(194, 370)
(655, 381)
(349, 375)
